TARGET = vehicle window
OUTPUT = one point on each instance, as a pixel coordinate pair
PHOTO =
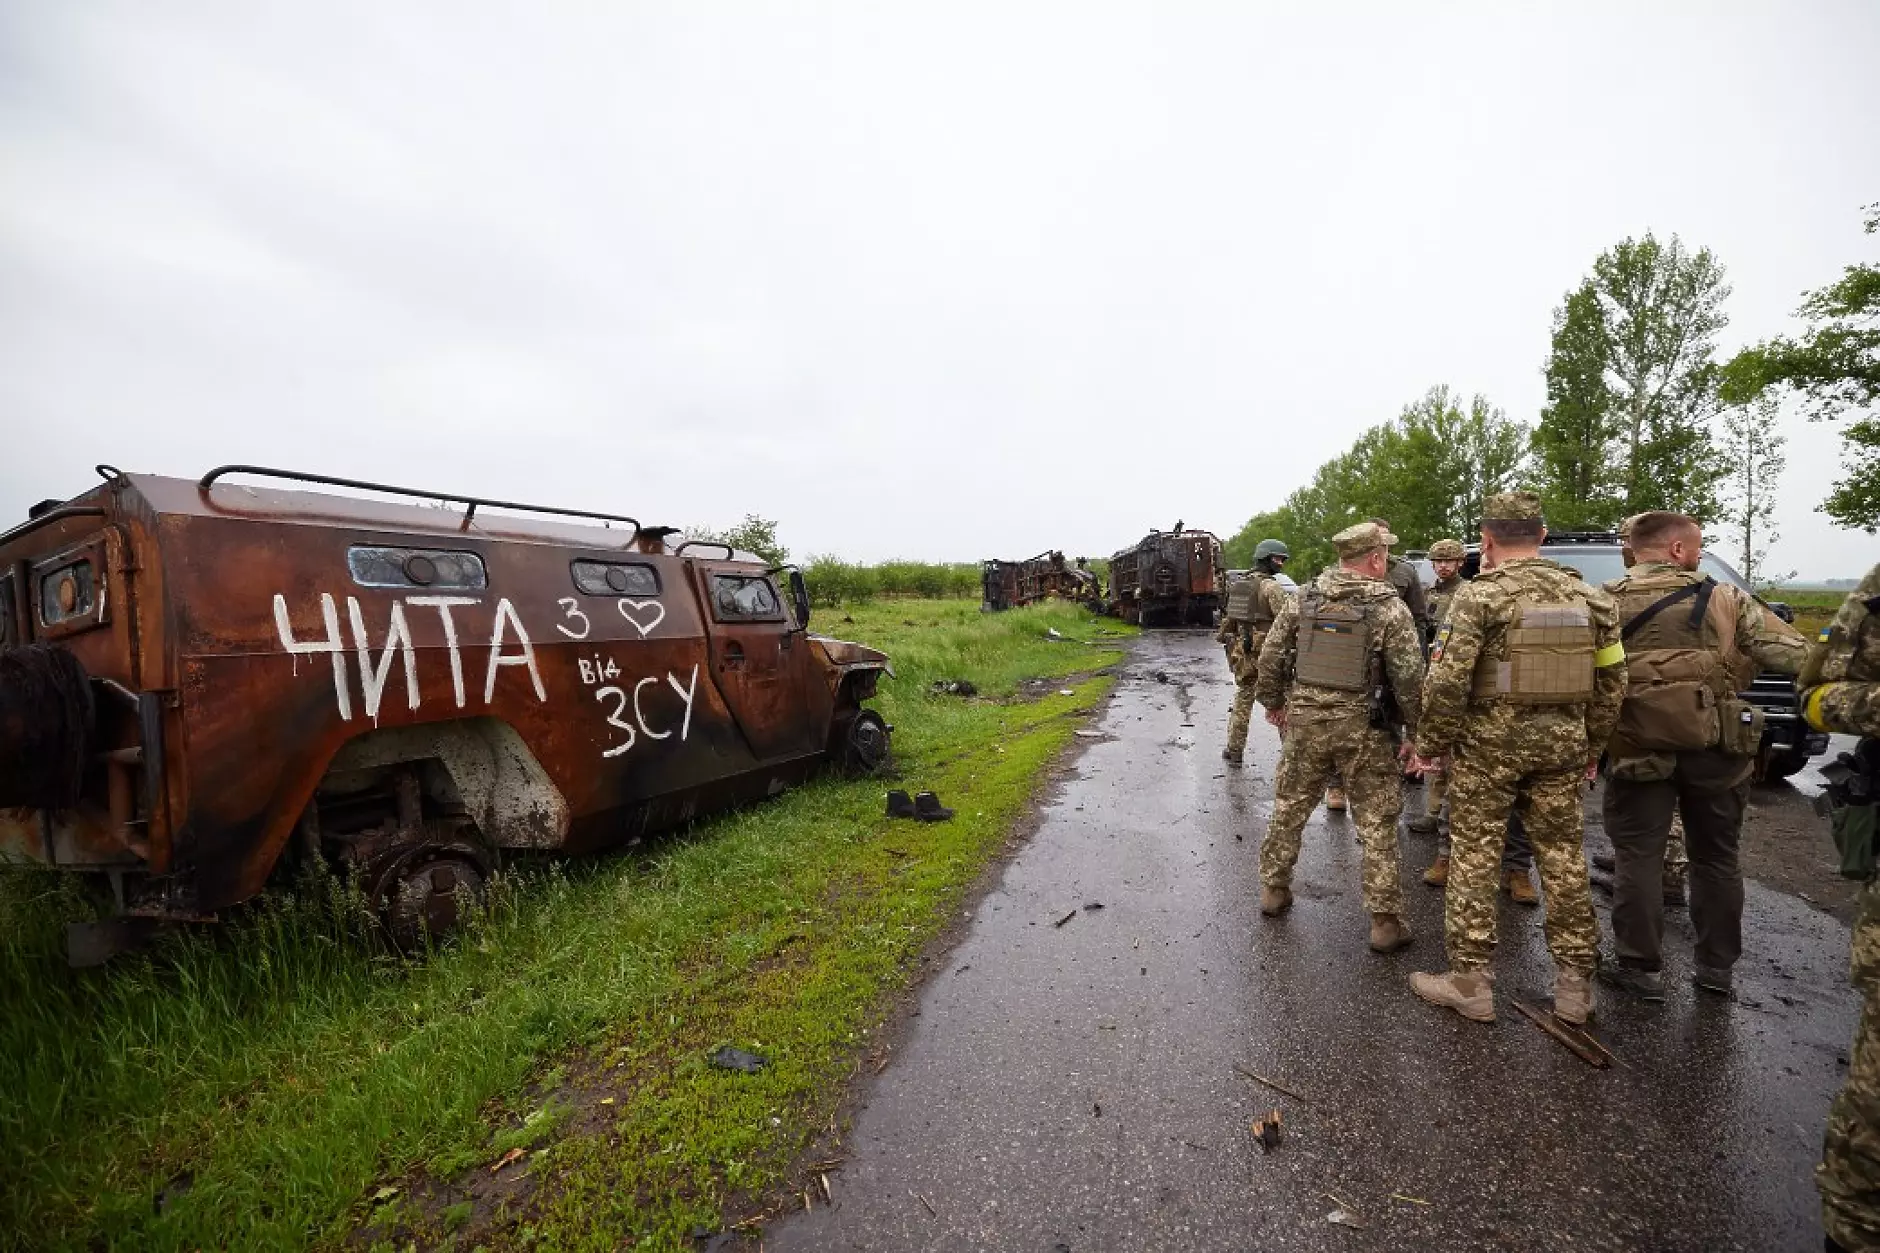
(615, 578)
(6, 611)
(68, 592)
(1598, 565)
(415, 567)
(745, 598)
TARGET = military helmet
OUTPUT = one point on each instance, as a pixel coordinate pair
(1271, 548)
(1447, 550)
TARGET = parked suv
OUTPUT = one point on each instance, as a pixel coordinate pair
(1788, 742)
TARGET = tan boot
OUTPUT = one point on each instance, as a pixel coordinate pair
(1335, 800)
(1573, 997)
(1388, 933)
(1520, 888)
(1275, 901)
(1470, 994)
(1438, 873)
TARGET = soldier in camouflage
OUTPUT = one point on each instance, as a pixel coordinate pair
(1338, 656)
(1403, 577)
(1840, 684)
(1685, 742)
(1252, 605)
(1523, 690)
(1677, 857)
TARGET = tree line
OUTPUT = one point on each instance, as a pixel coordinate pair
(1640, 414)
(833, 581)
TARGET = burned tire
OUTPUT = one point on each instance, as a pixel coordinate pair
(427, 897)
(865, 749)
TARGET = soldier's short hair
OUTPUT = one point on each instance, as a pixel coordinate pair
(1656, 529)
(1519, 532)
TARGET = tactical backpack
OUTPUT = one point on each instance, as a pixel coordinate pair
(1334, 645)
(1546, 658)
(1684, 669)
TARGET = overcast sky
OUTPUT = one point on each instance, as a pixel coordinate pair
(942, 281)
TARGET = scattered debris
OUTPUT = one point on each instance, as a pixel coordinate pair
(1414, 1200)
(513, 1155)
(1266, 1131)
(1097, 1107)
(963, 969)
(728, 1058)
(607, 1100)
(386, 1193)
(954, 687)
(1052, 633)
(827, 1195)
(1583, 1046)
(1161, 676)
(1093, 905)
(927, 808)
(1066, 918)
(1089, 735)
(1345, 1218)
(924, 1201)
(1262, 1079)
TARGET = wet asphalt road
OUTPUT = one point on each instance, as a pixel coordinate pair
(1074, 1088)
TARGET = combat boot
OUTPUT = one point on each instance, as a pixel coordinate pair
(1647, 985)
(1520, 887)
(1335, 800)
(1438, 874)
(1573, 997)
(1426, 825)
(1388, 933)
(1231, 756)
(1471, 994)
(1674, 889)
(1275, 901)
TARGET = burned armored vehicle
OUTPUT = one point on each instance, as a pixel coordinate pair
(203, 681)
(1048, 576)
(1169, 579)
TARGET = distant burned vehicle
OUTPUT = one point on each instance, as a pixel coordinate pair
(1048, 576)
(200, 681)
(1170, 578)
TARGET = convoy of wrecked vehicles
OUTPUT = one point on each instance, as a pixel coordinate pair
(201, 682)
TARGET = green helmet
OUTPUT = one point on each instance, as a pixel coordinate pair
(1270, 548)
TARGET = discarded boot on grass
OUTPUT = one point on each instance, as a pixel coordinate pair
(927, 808)
(1520, 887)
(1573, 997)
(1275, 901)
(1438, 874)
(1470, 994)
(1388, 933)
(900, 804)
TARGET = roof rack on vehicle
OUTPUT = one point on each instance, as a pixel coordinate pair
(208, 480)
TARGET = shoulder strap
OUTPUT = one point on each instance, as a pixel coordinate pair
(1700, 590)
(1704, 592)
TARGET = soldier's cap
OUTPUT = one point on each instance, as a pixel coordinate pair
(1355, 541)
(1447, 550)
(1512, 507)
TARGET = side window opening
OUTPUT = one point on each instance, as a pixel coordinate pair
(615, 578)
(6, 611)
(373, 566)
(68, 592)
(745, 598)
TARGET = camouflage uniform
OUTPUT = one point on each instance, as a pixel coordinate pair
(1841, 692)
(1506, 756)
(1708, 787)
(1441, 592)
(1242, 641)
(1331, 730)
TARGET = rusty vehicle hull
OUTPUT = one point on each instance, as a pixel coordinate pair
(1047, 576)
(399, 687)
(1169, 579)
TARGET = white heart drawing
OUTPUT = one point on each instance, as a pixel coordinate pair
(644, 628)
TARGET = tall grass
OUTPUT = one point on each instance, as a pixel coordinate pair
(250, 1086)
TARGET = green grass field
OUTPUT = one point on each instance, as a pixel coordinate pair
(1813, 609)
(277, 1083)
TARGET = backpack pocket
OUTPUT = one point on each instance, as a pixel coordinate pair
(1740, 727)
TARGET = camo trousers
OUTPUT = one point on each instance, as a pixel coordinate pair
(1309, 755)
(1483, 791)
(1849, 1174)
(1239, 717)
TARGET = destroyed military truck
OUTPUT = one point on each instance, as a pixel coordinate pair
(1048, 576)
(1169, 579)
(202, 682)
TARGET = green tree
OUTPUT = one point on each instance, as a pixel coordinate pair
(1754, 446)
(1835, 368)
(753, 535)
(1632, 387)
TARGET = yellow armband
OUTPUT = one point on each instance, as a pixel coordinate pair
(1610, 655)
(1811, 706)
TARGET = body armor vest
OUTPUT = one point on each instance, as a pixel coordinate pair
(1546, 658)
(1334, 648)
(1682, 663)
(1240, 600)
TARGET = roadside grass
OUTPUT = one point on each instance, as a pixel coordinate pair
(1814, 608)
(278, 1083)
